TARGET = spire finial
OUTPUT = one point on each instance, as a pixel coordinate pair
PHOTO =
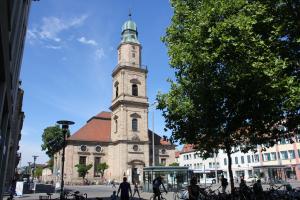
(129, 14)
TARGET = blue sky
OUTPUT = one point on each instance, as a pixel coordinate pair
(69, 54)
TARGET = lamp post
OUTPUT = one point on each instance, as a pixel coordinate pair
(33, 171)
(153, 133)
(65, 126)
(29, 170)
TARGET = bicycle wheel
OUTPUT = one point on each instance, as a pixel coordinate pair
(152, 197)
(175, 196)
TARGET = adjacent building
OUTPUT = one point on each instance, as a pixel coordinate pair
(121, 137)
(280, 162)
(13, 25)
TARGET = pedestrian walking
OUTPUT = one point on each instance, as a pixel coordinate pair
(136, 189)
(125, 190)
(194, 189)
(113, 184)
(224, 183)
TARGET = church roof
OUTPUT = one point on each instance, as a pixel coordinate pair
(97, 128)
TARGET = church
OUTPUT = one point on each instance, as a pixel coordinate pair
(120, 138)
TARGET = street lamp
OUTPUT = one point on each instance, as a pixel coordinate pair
(29, 170)
(153, 133)
(65, 126)
(33, 172)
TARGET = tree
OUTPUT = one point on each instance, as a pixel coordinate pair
(52, 139)
(50, 163)
(174, 164)
(101, 167)
(237, 71)
(38, 172)
(83, 170)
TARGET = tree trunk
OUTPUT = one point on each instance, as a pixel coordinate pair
(228, 152)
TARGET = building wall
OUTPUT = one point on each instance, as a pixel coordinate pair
(281, 155)
(13, 25)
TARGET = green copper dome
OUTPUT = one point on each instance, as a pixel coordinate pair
(129, 32)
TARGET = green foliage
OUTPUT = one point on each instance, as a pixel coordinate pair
(38, 172)
(174, 164)
(50, 163)
(83, 170)
(101, 167)
(237, 71)
(52, 139)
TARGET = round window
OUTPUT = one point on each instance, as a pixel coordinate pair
(83, 148)
(135, 147)
(163, 151)
(98, 148)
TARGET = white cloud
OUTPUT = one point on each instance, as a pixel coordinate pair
(53, 47)
(83, 40)
(99, 54)
(51, 27)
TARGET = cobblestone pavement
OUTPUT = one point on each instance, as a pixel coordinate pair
(92, 191)
(104, 191)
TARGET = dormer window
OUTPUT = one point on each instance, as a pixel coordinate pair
(134, 90)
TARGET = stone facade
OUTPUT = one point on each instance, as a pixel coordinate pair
(120, 138)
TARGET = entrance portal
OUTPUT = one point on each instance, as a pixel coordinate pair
(135, 175)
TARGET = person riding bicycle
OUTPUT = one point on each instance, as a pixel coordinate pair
(157, 182)
(244, 188)
(194, 189)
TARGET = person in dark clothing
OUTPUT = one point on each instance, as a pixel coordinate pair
(244, 190)
(258, 190)
(157, 182)
(194, 189)
(224, 183)
(125, 189)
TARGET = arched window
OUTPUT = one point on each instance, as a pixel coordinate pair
(117, 91)
(134, 90)
(116, 123)
(134, 124)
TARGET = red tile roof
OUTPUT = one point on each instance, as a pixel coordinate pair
(164, 142)
(177, 153)
(187, 148)
(98, 128)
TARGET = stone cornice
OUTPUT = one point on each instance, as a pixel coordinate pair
(133, 103)
(129, 68)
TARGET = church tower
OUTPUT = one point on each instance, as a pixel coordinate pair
(129, 120)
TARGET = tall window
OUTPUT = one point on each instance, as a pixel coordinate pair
(242, 160)
(292, 154)
(82, 160)
(96, 162)
(273, 156)
(236, 160)
(134, 124)
(117, 91)
(248, 158)
(225, 161)
(116, 125)
(284, 155)
(134, 90)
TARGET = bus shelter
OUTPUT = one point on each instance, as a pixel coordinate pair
(174, 177)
